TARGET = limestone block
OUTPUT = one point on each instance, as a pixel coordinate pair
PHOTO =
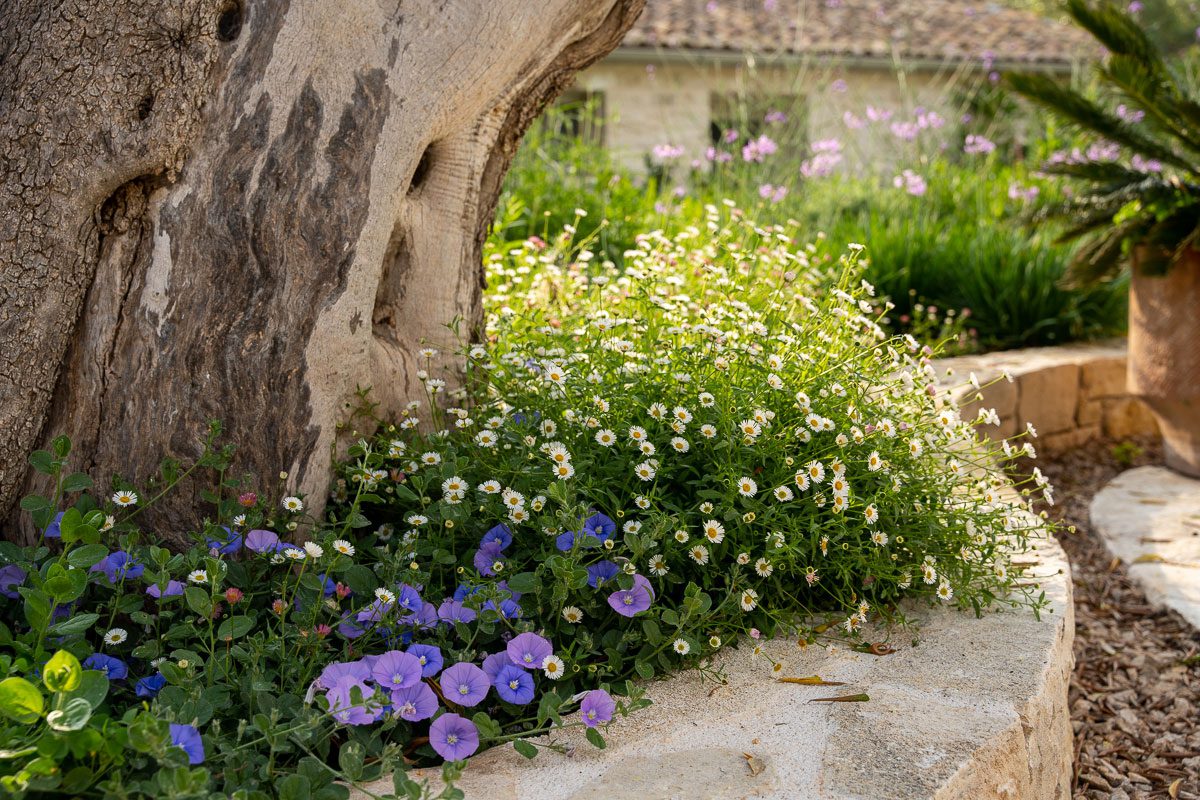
(1052, 443)
(1150, 518)
(1048, 398)
(1127, 416)
(1102, 377)
(1090, 411)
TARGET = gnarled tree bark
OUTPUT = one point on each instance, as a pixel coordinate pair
(242, 211)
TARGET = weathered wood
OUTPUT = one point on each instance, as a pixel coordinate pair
(210, 210)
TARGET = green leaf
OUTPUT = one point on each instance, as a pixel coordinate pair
(488, 727)
(93, 687)
(76, 624)
(34, 502)
(644, 669)
(650, 629)
(523, 583)
(350, 759)
(37, 607)
(42, 461)
(62, 445)
(70, 522)
(76, 482)
(361, 580)
(20, 700)
(525, 748)
(86, 556)
(235, 627)
(62, 672)
(71, 717)
(198, 600)
(596, 739)
(293, 787)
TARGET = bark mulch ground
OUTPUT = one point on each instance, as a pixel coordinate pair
(1135, 694)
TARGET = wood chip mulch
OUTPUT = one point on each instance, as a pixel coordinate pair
(1135, 694)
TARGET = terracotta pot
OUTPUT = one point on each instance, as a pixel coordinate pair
(1164, 356)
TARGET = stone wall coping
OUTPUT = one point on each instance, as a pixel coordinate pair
(970, 708)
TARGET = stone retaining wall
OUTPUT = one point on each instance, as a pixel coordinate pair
(1070, 394)
(966, 709)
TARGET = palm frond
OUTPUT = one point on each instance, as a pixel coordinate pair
(1116, 30)
(1048, 92)
(1155, 94)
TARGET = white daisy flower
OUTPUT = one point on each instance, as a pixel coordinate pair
(658, 565)
(680, 445)
(115, 636)
(708, 431)
(431, 459)
(385, 595)
(681, 647)
(749, 600)
(293, 504)
(294, 553)
(563, 471)
(552, 666)
(606, 438)
(572, 615)
(714, 531)
(416, 520)
(645, 471)
(343, 547)
(747, 487)
(879, 537)
(874, 462)
(198, 576)
(681, 536)
(699, 554)
(125, 498)
(490, 487)
(314, 550)
(944, 591)
(871, 514)
(783, 494)
(763, 568)
(486, 439)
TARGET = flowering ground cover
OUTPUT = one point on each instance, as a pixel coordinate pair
(712, 443)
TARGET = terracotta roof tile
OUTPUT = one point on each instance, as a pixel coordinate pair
(953, 30)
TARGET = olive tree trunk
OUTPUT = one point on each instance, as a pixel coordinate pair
(242, 211)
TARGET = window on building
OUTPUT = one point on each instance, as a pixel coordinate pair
(782, 117)
(578, 114)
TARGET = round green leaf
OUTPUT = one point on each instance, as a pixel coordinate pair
(74, 714)
(62, 673)
(20, 700)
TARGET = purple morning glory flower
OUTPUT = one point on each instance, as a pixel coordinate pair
(500, 534)
(600, 526)
(487, 555)
(396, 670)
(597, 708)
(465, 684)
(11, 576)
(415, 703)
(528, 650)
(174, 589)
(374, 612)
(341, 702)
(54, 529)
(494, 663)
(634, 600)
(427, 617)
(453, 737)
(601, 573)
(149, 687)
(349, 628)
(430, 658)
(118, 565)
(463, 591)
(328, 584)
(261, 541)
(508, 608)
(514, 684)
(113, 668)
(408, 598)
(359, 670)
(188, 738)
(229, 543)
(455, 611)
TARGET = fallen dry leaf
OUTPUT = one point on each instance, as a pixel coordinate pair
(1173, 789)
(848, 698)
(811, 680)
(755, 765)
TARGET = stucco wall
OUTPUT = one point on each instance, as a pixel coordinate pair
(668, 101)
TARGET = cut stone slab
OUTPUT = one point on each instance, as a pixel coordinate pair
(974, 708)
(1150, 518)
